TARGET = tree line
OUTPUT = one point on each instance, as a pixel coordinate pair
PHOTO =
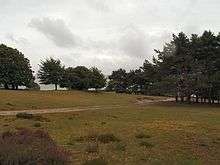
(187, 68)
(15, 71)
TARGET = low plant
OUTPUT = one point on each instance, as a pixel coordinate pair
(107, 138)
(97, 161)
(120, 147)
(146, 144)
(37, 125)
(24, 115)
(142, 135)
(25, 147)
(92, 147)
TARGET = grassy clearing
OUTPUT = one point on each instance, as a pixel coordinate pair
(21, 100)
(150, 134)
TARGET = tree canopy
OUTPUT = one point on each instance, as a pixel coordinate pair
(82, 78)
(186, 66)
(15, 69)
(51, 71)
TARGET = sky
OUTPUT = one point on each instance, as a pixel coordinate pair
(108, 34)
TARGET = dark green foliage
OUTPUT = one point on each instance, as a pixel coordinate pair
(97, 79)
(15, 69)
(82, 78)
(27, 147)
(187, 66)
(51, 72)
(119, 81)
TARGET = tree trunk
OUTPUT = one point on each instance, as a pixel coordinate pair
(189, 99)
(213, 101)
(6, 86)
(209, 99)
(197, 99)
(182, 98)
(55, 87)
(176, 98)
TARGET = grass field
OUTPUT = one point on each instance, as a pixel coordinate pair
(146, 134)
(20, 100)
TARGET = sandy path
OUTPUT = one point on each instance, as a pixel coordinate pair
(58, 110)
(78, 109)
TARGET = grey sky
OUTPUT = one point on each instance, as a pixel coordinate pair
(108, 34)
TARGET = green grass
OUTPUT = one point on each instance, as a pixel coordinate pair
(176, 134)
(20, 100)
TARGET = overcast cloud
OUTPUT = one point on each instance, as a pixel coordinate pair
(109, 34)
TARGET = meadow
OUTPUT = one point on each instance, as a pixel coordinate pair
(133, 134)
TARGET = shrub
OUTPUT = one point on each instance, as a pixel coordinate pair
(120, 147)
(37, 125)
(97, 161)
(107, 138)
(24, 115)
(146, 144)
(26, 147)
(92, 148)
(142, 135)
(29, 116)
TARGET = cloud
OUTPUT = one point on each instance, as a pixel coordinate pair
(98, 5)
(57, 31)
(134, 42)
(17, 40)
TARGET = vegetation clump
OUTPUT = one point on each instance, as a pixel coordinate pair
(146, 144)
(24, 115)
(29, 116)
(97, 161)
(31, 147)
(92, 147)
(142, 135)
(37, 125)
(120, 147)
(107, 138)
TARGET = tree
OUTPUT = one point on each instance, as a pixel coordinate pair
(15, 69)
(119, 78)
(70, 79)
(97, 79)
(81, 78)
(51, 72)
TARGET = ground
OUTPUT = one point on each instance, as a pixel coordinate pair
(146, 132)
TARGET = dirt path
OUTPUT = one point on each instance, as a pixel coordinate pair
(79, 109)
(58, 110)
(143, 101)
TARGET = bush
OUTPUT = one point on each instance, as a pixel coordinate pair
(146, 144)
(24, 115)
(92, 148)
(29, 116)
(98, 161)
(120, 147)
(37, 125)
(107, 138)
(142, 135)
(26, 147)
